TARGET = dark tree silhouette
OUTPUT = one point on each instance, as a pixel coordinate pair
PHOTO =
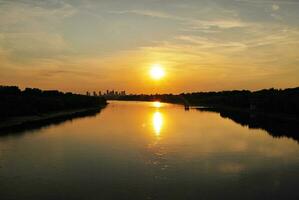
(272, 101)
(33, 101)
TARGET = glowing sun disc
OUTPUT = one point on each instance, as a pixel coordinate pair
(157, 72)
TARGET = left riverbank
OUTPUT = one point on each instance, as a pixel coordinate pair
(17, 123)
(32, 106)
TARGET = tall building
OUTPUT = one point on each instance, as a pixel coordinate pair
(114, 93)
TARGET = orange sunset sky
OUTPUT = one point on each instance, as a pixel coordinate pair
(200, 45)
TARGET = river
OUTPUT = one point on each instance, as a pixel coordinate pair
(148, 150)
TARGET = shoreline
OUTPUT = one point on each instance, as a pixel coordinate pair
(23, 121)
(217, 108)
(281, 116)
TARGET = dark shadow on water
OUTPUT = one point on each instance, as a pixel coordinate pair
(276, 127)
(31, 127)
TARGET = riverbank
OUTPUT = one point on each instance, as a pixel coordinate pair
(283, 103)
(279, 116)
(219, 108)
(34, 102)
(275, 124)
(20, 122)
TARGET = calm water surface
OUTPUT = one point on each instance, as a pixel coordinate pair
(145, 150)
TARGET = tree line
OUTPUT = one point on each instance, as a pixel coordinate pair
(281, 101)
(34, 101)
(284, 101)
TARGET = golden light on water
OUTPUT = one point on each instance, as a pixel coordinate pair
(157, 72)
(157, 122)
(157, 104)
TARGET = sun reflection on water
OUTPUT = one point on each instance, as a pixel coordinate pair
(157, 122)
(157, 104)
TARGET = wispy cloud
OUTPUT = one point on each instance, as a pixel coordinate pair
(221, 23)
(205, 43)
(193, 22)
(269, 1)
(27, 28)
(282, 36)
(83, 40)
(149, 13)
(15, 12)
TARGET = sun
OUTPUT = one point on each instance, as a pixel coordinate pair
(157, 72)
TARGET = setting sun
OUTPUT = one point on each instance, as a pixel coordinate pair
(157, 72)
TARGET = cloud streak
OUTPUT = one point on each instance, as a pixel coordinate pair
(289, 2)
(96, 42)
(193, 22)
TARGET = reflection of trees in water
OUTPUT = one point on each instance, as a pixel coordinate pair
(38, 125)
(276, 127)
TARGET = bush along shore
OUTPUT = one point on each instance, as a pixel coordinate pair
(268, 101)
(19, 107)
(283, 103)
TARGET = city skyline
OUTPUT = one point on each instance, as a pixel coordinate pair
(106, 93)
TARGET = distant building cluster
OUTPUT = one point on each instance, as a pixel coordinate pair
(115, 93)
(108, 93)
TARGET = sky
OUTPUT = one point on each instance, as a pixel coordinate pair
(203, 45)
